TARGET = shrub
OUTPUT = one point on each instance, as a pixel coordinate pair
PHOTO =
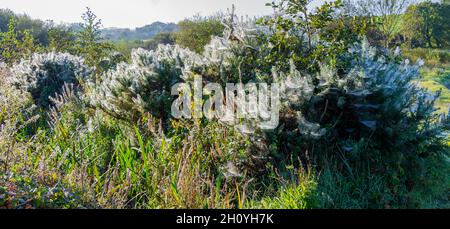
(111, 61)
(195, 33)
(165, 38)
(144, 85)
(43, 75)
(386, 123)
(61, 39)
(308, 37)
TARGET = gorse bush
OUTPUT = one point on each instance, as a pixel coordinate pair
(375, 118)
(43, 75)
(144, 85)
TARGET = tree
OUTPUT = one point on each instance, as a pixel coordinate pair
(160, 38)
(426, 24)
(90, 43)
(411, 28)
(14, 45)
(195, 33)
(9, 44)
(308, 37)
(37, 28)
(441, 29)
(5, 17)
(386, 13)
(61, 39)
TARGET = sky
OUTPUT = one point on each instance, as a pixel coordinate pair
(133, 13)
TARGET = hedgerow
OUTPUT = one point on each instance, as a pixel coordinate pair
(355, 131)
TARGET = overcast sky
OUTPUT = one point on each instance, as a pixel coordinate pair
(133, 13)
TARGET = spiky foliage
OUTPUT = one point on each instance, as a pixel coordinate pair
(144, 85)
(377, 119)
(235, 55)
(43, 75)
(377, 100)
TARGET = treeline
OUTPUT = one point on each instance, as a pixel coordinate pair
(427, 25)
(22, 34)
(17, 43)
(193, 33)
(37, 28)
(403, 22)
(387, 23)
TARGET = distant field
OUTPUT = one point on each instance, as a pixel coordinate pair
(438, 79)
(435, 73)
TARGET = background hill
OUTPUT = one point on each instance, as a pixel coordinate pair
(142, 33)
(39, 29)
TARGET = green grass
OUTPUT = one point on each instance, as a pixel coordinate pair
(435, 73)
(301, 194)
(437, 79)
